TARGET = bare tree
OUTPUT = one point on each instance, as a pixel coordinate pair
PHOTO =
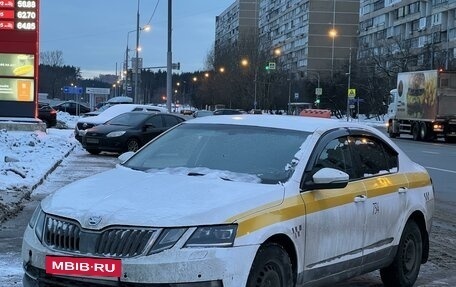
(52, 58)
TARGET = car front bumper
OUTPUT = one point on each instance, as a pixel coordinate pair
(177, 267)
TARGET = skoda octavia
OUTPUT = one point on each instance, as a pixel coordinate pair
(239, 200)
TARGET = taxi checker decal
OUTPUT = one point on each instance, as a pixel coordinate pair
(294, 207)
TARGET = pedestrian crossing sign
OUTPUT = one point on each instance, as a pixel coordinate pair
(351, 93)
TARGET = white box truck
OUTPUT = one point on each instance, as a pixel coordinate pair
(424, 105)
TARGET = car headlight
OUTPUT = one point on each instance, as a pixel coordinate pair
(115, 134)
(167, 239)
(37, 222)
(213, 236)
(35, 215)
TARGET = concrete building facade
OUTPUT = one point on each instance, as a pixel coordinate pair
(302, 36)
(423, 30)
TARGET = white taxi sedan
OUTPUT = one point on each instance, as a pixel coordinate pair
(240, 200)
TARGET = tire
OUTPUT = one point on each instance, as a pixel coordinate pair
(405, 267)
(391, 134)
(271, 267)
(450, 139)
(132, 145)
(416, 132)
(93, 151)
(426, 132)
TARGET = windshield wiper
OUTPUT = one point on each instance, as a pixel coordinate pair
(195, 174)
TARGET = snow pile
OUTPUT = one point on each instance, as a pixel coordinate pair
(25, 157)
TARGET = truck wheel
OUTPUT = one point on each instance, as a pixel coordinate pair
(405, 267)
(391, 134)
(271, 267)
(416, 132)
(424, 132)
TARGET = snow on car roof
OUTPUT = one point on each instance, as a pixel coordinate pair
(301, 123)
(111, 112)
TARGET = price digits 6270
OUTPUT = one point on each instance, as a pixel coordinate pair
(26, 15)
(26, 4)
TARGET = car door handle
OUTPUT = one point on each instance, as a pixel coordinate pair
(360, 198)
(402, 190)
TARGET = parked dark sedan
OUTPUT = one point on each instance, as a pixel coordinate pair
(72, 108)
(128, 131)
(47, 114)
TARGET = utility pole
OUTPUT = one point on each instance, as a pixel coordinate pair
(137, 57)
(169, 78)
(349, 78)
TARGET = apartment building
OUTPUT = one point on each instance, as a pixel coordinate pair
(238, 21)
(423, 30)
(311, 35)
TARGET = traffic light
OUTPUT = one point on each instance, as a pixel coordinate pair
(317, 101)
(266, 67)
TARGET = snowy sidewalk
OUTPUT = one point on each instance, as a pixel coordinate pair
(26, 158)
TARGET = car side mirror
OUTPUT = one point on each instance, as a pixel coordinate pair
(125, 156)
(328, 178)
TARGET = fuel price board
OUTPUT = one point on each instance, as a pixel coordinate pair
(19, 54)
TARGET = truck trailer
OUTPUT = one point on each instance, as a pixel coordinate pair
(424, 105)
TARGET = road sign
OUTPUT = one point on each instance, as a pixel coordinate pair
(72, 90)
(318, 91)
(351, 93)
(272, 66)
(296, 96)
(98, 91)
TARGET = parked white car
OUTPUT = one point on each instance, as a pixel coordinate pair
(240, 200)
(108, 114)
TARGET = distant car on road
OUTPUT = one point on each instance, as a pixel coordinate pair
(47, 114)
(202, 113)
(71, 107)
(109, 113)
(228, 112)
(128, 131)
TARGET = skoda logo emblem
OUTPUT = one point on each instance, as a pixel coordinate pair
(94, 220)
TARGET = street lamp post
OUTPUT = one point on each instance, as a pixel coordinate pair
(349, 78)
(137, 55)
(333, 35)
(126, 60)
(245, 63)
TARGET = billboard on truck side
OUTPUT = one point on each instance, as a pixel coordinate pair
(417, 94)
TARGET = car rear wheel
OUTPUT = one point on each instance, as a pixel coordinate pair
(271, 267)
(405, 267)
(132, 145)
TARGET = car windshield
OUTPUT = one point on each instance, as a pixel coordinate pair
(230, 152)
(128, 119)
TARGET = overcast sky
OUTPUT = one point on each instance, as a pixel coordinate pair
(92, 34)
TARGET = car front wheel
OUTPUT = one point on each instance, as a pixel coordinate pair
(133, 145)
(405, 267)
(271, 267)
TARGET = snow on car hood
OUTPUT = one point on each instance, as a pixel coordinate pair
(127, 197)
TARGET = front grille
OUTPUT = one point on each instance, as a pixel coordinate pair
(65, 235)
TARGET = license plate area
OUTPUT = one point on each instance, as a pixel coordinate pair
(92, 140)
(83, 266)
